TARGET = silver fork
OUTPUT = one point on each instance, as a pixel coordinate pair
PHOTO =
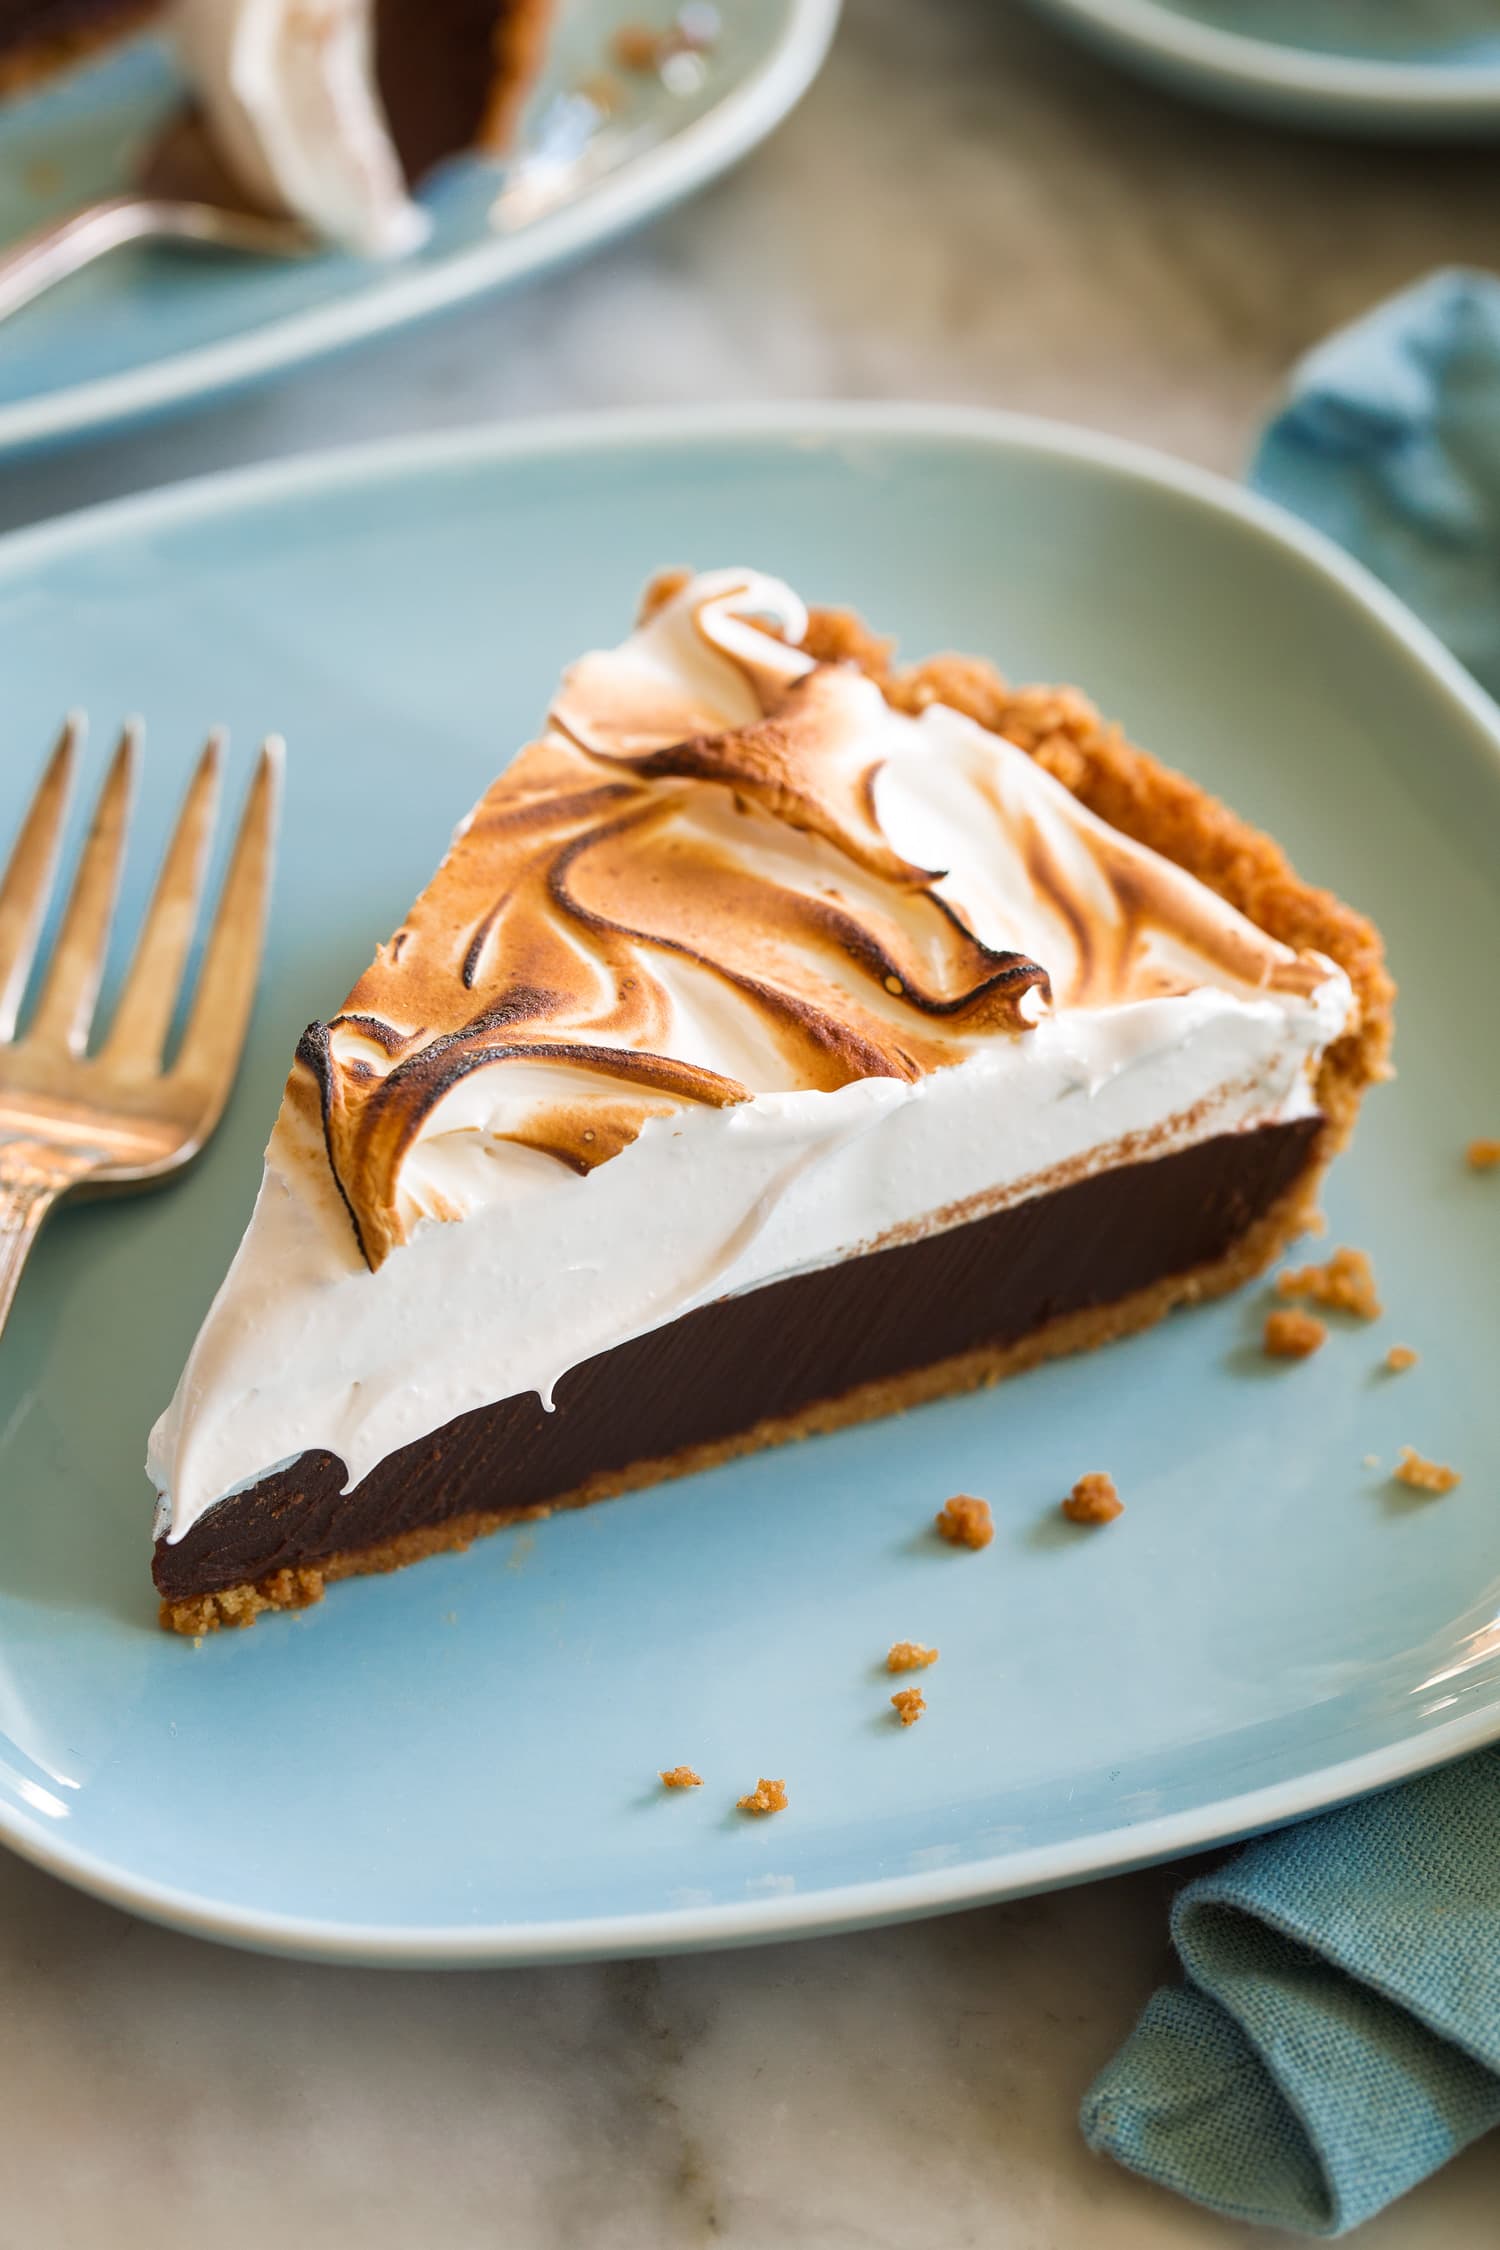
(184, 195)
(116, 1120)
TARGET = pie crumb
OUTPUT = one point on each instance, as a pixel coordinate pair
(1291, 1334)
(1370, 1461)
(1346, 1283)
(1399, 1358)
(765, 1797)
(1423, 1476)
(681, 1777)
(636, 47)
(909, 1656)
(909, 1703)
(602, 91)
(1093, 1499)
(965, 1522)
(1484, 1155)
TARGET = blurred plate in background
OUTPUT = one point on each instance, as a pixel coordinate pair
(1412, 69)
(146, 330)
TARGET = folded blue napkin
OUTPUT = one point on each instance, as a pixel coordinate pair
(1389, 441)
(1338, 2035)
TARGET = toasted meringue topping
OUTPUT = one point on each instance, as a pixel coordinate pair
(736, 970)
(289, 91)
(636, 919)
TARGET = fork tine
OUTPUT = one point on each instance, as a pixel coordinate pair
(27, 885)
(231, 964)
(142, 1019)
(66, 1007)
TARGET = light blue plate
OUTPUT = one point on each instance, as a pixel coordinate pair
(147, 330)
(1406, 69)
(458, 1763)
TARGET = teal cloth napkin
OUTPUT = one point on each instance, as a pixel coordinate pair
(1338, 2034)
(1338, 2037)
(1389, 440)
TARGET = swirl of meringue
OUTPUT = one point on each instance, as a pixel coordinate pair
(653, 908)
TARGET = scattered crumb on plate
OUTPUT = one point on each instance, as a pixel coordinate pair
(1370, 1461)
(681, 1777)
(605, 93)
(640, 49)
(1483, 1155)
(1346, 1283)
(1399, 1358)
(765, 1797)
(636, 47)
(1093, 1499)
(909, 1656)
(1291, 1334)
(909, 1703)
(1423, 1476)
(965, 1522)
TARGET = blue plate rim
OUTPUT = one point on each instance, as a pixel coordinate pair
(643, 186)
(1239, 64)
(882, 1899)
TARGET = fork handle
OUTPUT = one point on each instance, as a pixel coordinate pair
(32, 1177)
(65, 246)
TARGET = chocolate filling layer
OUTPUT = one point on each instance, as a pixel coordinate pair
(772, 1352)
(23, 22)
(435, 62)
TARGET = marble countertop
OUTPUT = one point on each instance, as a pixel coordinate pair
(963, 209)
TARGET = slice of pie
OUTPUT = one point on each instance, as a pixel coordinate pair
(784, 1041)
(330, 111)
(333, 111)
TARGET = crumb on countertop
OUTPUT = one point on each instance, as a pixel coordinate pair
(965, 1522)
(1483, 1155)
(1291, 1334)
(681, 1777)
(908, 1704)
(1346, 1283)
(1423, 1476)
(909, 1656)
(765, 1797)
(1399, 1358)
(1093, 1499)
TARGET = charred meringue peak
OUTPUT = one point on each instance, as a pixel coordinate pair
(651, 908)
(735, 971)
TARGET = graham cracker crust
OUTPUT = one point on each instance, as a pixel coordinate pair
(521, 39)
(1144, 799)
(32, 64)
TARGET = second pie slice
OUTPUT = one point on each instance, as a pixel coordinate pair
(783, 1042)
